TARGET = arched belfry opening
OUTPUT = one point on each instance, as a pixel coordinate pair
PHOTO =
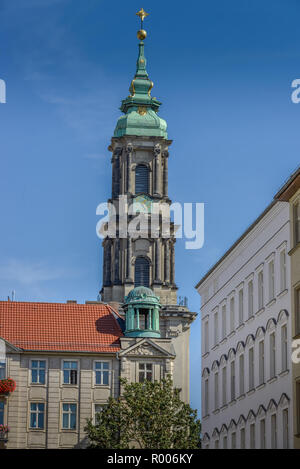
(142, 272)
(142, 179)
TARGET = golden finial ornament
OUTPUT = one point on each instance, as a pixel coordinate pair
(142, 34)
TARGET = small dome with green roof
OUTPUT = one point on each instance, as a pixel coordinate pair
(142, 307)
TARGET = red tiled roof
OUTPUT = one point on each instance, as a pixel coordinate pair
(60, 327)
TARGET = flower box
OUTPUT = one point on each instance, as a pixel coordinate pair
(7, 385)
(4, 429)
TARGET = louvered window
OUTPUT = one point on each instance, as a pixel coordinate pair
(141, 274)
(142, 179)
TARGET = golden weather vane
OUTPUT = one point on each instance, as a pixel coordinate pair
(142, 33)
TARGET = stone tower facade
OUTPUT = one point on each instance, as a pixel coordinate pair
(140, 154)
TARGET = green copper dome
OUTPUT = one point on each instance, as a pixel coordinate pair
(142, 308)
(139, 107)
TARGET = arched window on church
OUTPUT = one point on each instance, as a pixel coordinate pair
(141, 179)
(142, 272)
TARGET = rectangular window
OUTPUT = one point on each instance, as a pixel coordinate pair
(232, 319)
(102, 372)
(2, 369)
(241, 307)
(69, 416)
(38, 371)
(2, 413)
(252, 436)
(261, 362)
(273, 431)
(284, 348)
(206, 397)
(206, 342)
(263, 434)
(233, 440)
(37, 415)
(282, 270)
(251, 368)
(224, 321)
(250, 299)
(225, 442)
(260, 290)
(216, 328)
(242, 375)
(217, 444)
(70, 370)
(243, 438)
(232, 366)
(145, 372)
(285, 424)
(98, 408)
(272, 355)
(224, 384)
(271, 281)
(216, 390)
(297, 223)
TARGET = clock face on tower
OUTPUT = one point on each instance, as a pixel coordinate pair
(142, 202)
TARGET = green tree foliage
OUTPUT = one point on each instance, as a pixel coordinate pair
(147, 415)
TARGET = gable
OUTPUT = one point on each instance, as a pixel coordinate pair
(146, 347)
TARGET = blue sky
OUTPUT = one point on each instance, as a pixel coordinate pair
(223, 71)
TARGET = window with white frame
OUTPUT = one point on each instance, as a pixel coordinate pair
(241, 306)
(282, 270)
(224, 322)
(261, 347)
(70, 372)
(2, 369)
(232, 373)
(262, 425)
(37, 415)
(250, 299)
(102, 373)
(285, 426)
(242, 374)
(216, 327)
(271, 280)
(216, 390)
(284, 348)
(273, 431)
(260, 290)
(69, 416)
(98, 408)
(232, 318)
(252, 436)
(145, 372)
(243, 438)
(251, 368)
(296, 219)
(272, 355)
(38, 371)
(224, 385)
(2, 407)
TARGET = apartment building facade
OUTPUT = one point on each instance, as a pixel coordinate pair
(247, 396)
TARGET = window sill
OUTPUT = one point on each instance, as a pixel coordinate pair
(250, 319)
(223, 341)
(215, 347)
(216, 411)
(284, 292)
(242, 396)
(37, 430)
(224, 407)
(272, 380)
(260, 311)
(250, 392)
(241, 326)
(66, 430)
(232, 333)
(205, 355)
(232, 402)
(205, 417)
(271, 303)
(284, 373)
(35, 385)
(260, 386)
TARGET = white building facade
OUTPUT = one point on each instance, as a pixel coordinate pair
(246, 339)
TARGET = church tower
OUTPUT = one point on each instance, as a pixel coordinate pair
(140, 153)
